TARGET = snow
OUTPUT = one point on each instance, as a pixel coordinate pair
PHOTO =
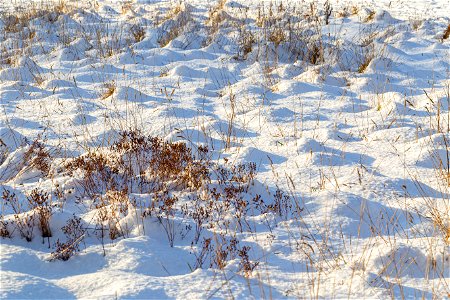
(360, 152)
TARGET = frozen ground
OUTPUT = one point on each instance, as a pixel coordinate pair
(348, 120)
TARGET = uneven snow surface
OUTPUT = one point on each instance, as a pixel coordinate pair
(347, 124)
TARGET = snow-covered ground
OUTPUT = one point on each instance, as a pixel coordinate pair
(345, 118)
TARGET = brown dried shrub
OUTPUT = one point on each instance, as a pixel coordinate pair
(4, 231)
(38, 157)
(138, 33)
(74, 232)
(24, 220)
(446, 34)
(39, 202)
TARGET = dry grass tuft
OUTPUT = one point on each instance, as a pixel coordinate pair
(245, 43)
(343, 13)
(446, 34)
(370, 16)
(110, 88)
(174, 11)
(127, 6)
(138, 33)
(365, 63)
(216, 16)
(174, 23)
(21, 19)
(277, 36)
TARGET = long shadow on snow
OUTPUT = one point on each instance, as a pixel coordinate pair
(33, 287)
(365, 218)
(327, 156)
(27, 261)
(395, 290)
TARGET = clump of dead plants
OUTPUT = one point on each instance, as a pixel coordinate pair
(174, 23)
(139, 164)
(446, 33)
(138, 33)
(246, 40)
(216, 16)
(13, 23)
(109, 89)
(74, 232)
(39, 157)
(35, 211)
(180, 183)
